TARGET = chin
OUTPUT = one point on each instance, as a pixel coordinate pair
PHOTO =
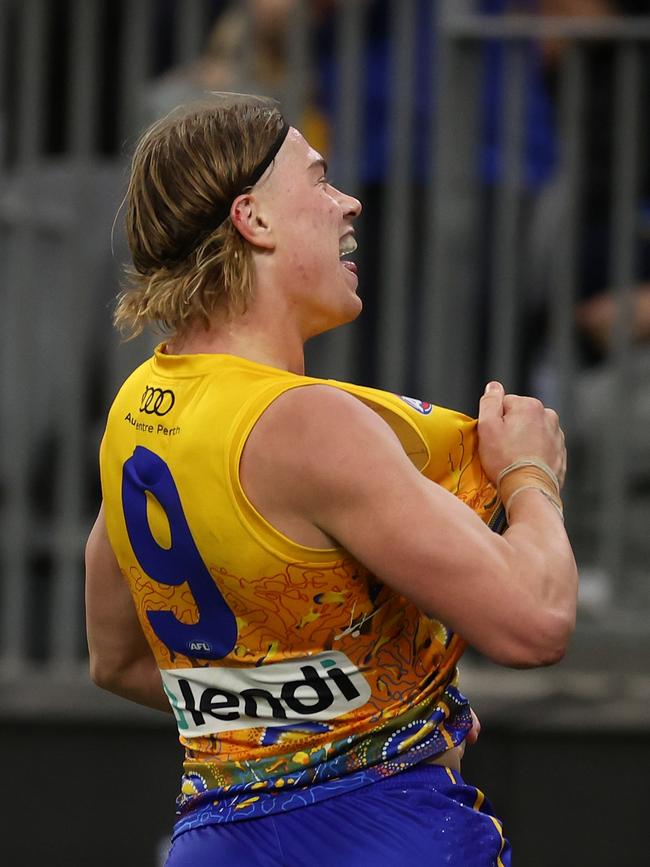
(350, 311)
(357, 310)
(342, 317)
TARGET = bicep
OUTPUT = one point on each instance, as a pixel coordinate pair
(409, 531)
(504, 595)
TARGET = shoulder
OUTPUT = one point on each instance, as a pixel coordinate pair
(321, 438)
(322, 414)
(321, 397)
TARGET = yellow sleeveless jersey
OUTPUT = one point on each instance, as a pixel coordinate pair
(294, 674)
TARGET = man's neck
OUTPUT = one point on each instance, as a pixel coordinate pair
(242, 338)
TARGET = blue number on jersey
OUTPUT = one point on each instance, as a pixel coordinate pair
(215, 633)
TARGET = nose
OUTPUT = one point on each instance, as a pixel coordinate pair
(351, 207)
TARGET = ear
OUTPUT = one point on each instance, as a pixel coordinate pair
(249, 219)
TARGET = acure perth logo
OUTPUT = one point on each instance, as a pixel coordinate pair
(157, 401)
(216, 699)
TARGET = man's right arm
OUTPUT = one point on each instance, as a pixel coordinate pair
(512, 597)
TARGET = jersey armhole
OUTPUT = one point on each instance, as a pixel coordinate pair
(264, 533)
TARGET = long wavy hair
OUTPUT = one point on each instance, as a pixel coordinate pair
(187, 168)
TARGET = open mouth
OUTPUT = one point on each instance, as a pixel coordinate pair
(347, 246)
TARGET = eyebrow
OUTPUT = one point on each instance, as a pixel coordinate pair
(320, 163)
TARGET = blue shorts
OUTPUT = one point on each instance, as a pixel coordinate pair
(423, 816)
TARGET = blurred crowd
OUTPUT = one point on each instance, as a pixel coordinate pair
(265, 38)
(246, 48)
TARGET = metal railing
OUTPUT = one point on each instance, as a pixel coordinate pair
(61, 363)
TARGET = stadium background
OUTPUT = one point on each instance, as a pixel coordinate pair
(501, 151)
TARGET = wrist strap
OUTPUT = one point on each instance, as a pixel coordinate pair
(555, 501)
(528, 474)
(529, 462)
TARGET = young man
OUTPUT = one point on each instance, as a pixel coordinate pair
(304, 554)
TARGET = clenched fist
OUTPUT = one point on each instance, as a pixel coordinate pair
(511, 427)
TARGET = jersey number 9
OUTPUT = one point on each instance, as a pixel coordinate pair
(214, 635)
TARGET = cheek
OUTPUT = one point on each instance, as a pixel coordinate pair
(315, 221)
(303, 264)
(301, 229)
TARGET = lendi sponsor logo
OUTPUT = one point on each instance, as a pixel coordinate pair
(212, 700)
(157, 401)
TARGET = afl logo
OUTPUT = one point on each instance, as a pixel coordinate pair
(422, 406)
(157, 401)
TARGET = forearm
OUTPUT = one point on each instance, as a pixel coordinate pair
(121, 660)
(139, 681)
(543, 574)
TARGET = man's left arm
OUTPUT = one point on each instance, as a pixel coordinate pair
(121, 661)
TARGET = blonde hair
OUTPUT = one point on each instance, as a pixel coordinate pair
(186, 169)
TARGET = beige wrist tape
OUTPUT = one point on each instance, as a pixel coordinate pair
(525, 475)
(555, 501)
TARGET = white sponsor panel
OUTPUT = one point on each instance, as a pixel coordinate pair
(209, 700)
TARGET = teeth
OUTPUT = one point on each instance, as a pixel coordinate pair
(347, 245)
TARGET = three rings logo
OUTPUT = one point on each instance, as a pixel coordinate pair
(157, 401)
